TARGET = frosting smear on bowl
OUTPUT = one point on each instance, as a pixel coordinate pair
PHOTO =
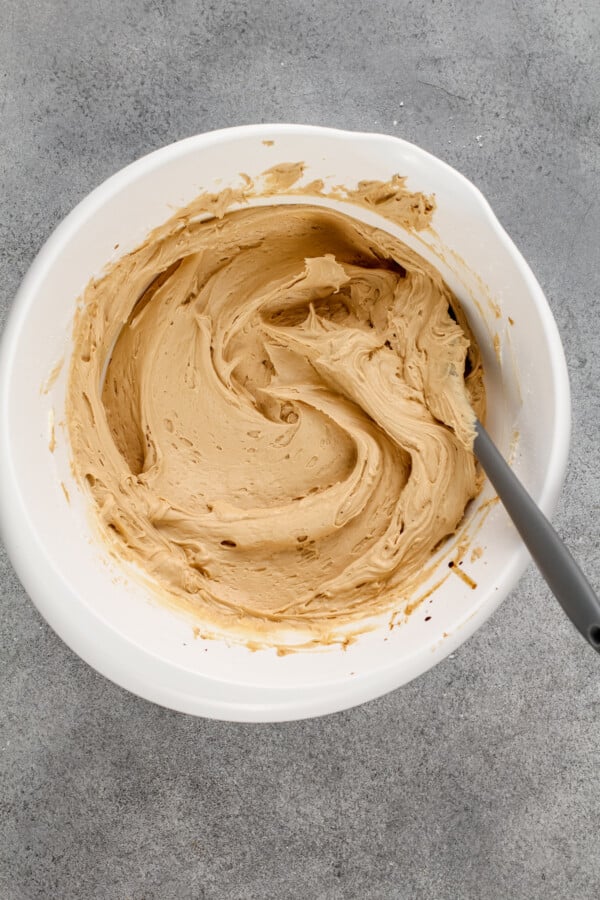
(274, 414)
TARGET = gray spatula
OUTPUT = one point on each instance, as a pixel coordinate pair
(566, 580)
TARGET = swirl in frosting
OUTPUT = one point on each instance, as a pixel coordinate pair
(274, 413)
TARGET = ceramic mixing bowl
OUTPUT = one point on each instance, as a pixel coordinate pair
(112, 620)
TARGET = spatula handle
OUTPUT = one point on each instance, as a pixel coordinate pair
(563, 575)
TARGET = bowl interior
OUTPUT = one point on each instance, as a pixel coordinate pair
(110, 618)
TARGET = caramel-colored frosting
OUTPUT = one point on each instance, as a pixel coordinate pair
(274, 413)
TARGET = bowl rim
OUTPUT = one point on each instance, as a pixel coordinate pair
(14, 517)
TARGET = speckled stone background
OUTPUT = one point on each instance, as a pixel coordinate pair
(481, 778)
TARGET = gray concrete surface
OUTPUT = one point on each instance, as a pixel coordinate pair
(480, 779)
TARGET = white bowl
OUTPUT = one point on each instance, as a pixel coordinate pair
(110, 619)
